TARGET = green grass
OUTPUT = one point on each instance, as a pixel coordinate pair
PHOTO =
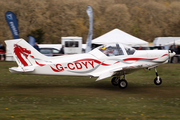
(35, 97)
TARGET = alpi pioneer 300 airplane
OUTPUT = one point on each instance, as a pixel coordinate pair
(104, 61)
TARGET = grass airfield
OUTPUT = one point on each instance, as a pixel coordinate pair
(36, 97)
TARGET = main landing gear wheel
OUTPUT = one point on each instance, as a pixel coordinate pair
(157, 81)
(122, 83)
(114, 81)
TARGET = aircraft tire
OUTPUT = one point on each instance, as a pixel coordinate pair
(114, 81)
(156, 82)
(123, 83)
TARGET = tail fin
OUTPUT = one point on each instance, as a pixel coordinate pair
(24, 54)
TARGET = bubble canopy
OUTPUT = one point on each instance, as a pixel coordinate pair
(116, 49)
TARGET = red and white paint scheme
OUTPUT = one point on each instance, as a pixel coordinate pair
(104, 61)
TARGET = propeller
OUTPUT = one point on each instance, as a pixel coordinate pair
(170, 55)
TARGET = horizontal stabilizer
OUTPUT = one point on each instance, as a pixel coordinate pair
(21, 70)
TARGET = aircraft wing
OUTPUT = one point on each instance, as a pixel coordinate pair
(108, 73)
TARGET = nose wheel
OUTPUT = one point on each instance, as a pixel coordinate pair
(157, 80)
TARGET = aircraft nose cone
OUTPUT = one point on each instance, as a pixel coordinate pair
(172, 54)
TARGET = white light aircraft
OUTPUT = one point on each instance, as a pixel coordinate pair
(114, 60)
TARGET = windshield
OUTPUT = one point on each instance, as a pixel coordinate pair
(129, 50)
(116, 50)
(111, 50)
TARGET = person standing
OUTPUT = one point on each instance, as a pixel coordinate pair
(36, 46)
(140, 48)
(3, 52)
(62, 50)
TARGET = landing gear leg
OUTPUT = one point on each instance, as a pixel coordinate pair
(123, 83)
(157, 80)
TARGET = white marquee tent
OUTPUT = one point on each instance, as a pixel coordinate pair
(118, 36)
(176, 42)
(164, 40)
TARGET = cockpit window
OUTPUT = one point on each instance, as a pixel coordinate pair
(129, 50)
(111, 50)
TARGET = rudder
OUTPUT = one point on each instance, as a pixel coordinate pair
(24, 54)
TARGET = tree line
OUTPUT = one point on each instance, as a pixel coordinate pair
(145, 19)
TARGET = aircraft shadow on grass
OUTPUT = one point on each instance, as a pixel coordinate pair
(103, 85)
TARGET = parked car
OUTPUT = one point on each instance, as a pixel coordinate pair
(50, 51)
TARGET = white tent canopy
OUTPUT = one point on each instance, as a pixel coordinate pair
(164, 40)
(176, 42)
(118, 36)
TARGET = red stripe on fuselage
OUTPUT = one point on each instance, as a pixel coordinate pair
(39, 64)
(164, 55)
(136, 59)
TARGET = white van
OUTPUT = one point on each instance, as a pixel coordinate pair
(72, 45)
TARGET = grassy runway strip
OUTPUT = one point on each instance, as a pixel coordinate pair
(35, 97)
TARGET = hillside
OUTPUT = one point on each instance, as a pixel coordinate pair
(145, 19)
